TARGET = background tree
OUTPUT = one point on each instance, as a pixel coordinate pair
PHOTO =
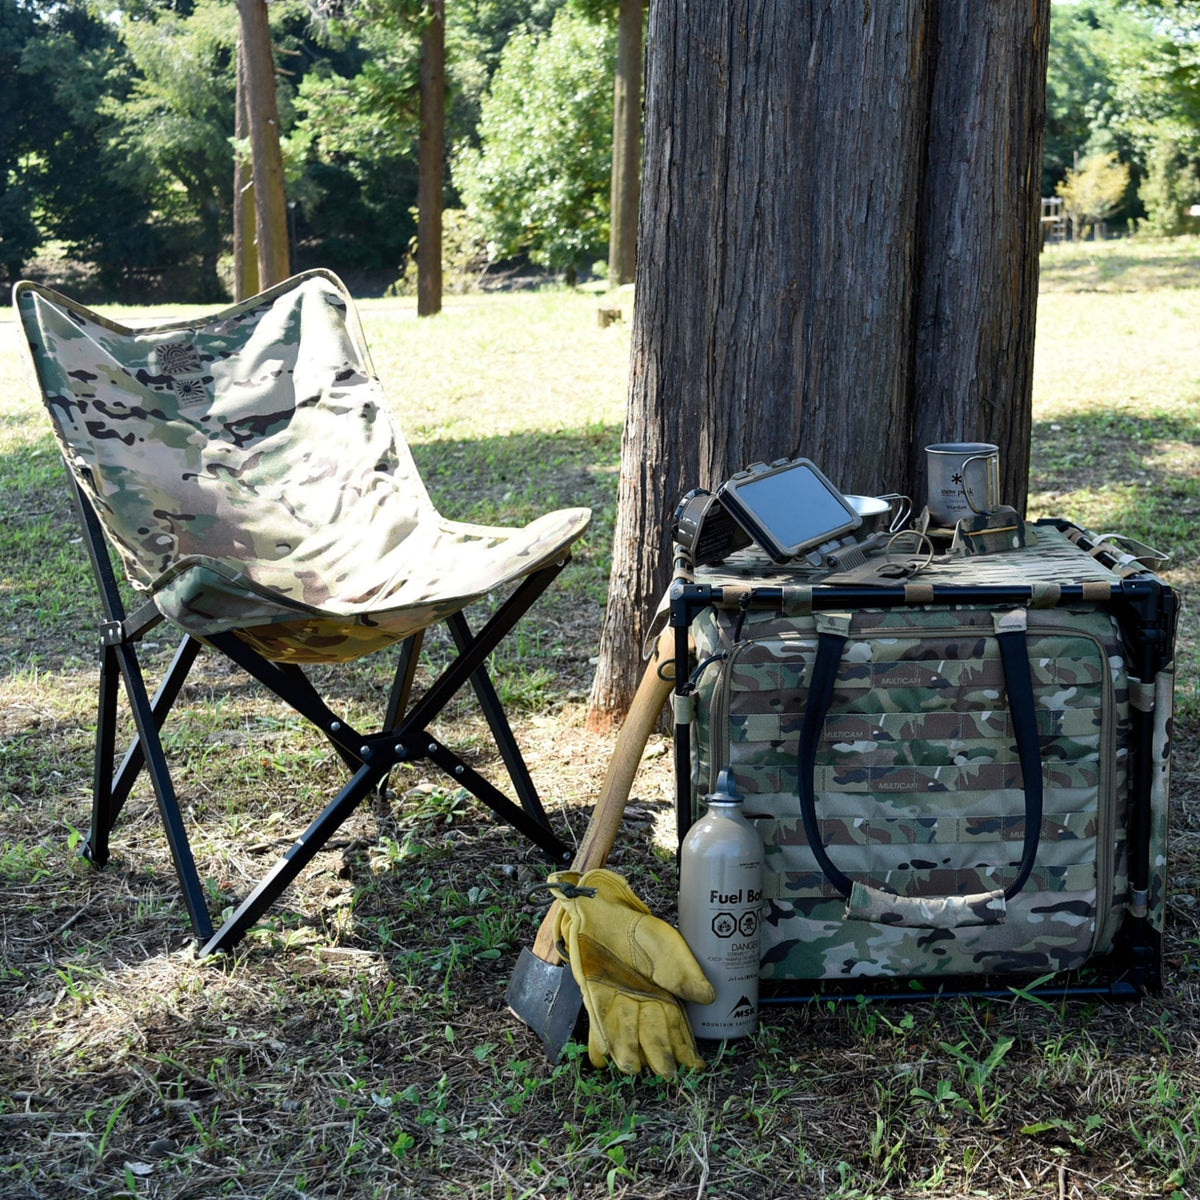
(245, 254)
(359, 115)
(431, 159)
(356, 131)
(409, 99)
(1092, 82)
(172, 132)
(539, 180)
(1169, 78)
(19, 235)
(1168, 188)
(625, 191)
(1124, 80)
(838, 258)
(1094, 192)
(256, 71)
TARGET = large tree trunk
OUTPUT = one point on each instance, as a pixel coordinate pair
(270, 199)
(431, 161)
(838, 258)
(980, 222)
(627, 145)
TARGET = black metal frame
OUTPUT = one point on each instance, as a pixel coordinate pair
(1147, 611)
(403, 737)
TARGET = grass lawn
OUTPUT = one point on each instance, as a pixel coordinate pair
(358, 1044)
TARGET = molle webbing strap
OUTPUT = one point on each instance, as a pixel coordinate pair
(733, 595)
(1045, 595)
(945, 911)
(830, 643)
(797, 601)
(1014, 658)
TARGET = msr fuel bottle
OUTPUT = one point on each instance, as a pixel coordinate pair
(720, 898)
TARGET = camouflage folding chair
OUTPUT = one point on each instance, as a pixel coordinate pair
(244, 471)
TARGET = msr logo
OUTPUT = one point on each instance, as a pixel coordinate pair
(742, 1009)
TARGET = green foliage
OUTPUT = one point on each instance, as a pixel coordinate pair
(355, 141)
(1077, 86)
(172, 133)
(19, 236)
(1166, 190)
(1095, 191)
(18, 232)
(1124, 79)
(464, 257)
(476, 33)
(1096, 81)
(79, 65)
(539, 180)
(116, 123)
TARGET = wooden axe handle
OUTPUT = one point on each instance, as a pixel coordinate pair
(601, 833)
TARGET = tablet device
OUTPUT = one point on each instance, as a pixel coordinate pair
(787, 507)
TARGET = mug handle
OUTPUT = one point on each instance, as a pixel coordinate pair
(983, 512)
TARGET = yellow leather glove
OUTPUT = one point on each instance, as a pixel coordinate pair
(632, 969)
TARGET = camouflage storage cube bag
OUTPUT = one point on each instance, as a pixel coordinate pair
(944, 788)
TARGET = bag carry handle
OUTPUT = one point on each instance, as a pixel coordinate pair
(865, 903)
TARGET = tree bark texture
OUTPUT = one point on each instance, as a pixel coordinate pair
(431, 161)
(979, 221)
(245, 255)
(627, 145)
(270, 197)
(837, 257)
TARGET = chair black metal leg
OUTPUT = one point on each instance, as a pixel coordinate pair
(538, 832)
(403, 737)
(110, 792)
(164, 700)
(506, 743)
(164, 792)
(291, 685)
(302, 852)
(401, 690)
(482, 644)
(402, 684)
(104, 815)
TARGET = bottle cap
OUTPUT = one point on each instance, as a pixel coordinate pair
(726, 792)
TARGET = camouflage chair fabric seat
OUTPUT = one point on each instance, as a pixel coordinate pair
(244, 470)
(251, 480)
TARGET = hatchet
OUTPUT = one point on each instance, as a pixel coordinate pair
(542, 990)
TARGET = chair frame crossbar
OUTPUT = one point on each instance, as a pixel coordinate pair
(403, 738)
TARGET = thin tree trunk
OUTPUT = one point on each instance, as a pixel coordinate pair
(270, 200)
(798, 293)
(431, 161)
(627, 145)
(245, 253)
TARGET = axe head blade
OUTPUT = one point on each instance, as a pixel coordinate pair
(546, 997)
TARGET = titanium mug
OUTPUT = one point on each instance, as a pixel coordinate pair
(964, 480)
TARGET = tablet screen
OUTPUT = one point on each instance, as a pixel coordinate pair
(795, 505)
